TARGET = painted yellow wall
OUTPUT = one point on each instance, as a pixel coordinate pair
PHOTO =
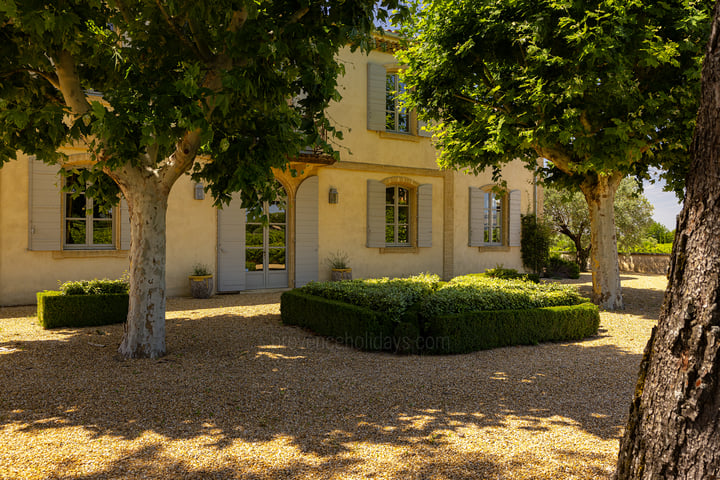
(350, 115)
(475, 259)
(192, 224)
(191, 239)
(343, 227)
(24, 272)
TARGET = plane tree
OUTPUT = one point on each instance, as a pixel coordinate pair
(673, 430)
(148, 86)
(602, 89)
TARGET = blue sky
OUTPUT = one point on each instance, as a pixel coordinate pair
(666, 204)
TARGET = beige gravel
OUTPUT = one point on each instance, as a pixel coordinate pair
(239, 395)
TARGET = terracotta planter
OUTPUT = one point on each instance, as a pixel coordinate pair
(338, 274)
(201, 286)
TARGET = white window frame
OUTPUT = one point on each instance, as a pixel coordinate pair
(494, 203)
(393, 87)
(411, 228)
(89, 225)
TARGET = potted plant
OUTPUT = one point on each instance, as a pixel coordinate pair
(339, 269)
(201, 282)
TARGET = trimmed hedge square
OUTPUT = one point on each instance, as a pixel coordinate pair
(58, 310)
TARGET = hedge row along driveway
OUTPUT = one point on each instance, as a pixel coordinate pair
(421, 314)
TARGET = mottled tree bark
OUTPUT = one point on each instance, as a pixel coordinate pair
(600, 196)
(672, 431)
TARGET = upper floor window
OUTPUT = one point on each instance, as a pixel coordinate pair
(397, 117)
(397, 216)
(85, 225)
(385, 111)
(493, 219)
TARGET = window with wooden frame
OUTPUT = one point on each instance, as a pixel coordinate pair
(494, 217)
(399, 214)
(85, 225)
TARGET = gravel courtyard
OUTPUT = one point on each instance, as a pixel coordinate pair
(240, 396)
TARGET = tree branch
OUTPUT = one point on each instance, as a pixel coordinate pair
(175, 30)
(69, 84)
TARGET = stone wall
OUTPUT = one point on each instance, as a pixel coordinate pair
(657, 263)
(644, 263)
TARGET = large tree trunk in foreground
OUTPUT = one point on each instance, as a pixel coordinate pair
(600, 196)
(672, 431)
(145, 326)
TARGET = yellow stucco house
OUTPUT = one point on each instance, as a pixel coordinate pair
(385, 203)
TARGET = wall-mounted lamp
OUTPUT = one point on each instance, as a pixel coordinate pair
(199, 192)
(333, 195)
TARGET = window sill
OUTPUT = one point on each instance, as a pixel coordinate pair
(399, 250)
(408, 137)
(59, 254)
(494, 248)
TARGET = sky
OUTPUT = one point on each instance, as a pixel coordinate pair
(666, 204)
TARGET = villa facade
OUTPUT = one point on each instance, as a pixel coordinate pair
(385, 203)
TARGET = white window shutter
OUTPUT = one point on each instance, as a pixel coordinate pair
(376, 97)
(421, 125)
(514, 237)
(124, 225)
(424, 221)
(375, 214)
(306, 232)
(45, 206)
(476, 220)
(231, 247)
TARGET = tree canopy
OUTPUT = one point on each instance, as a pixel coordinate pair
(148, 85)
(603, 89)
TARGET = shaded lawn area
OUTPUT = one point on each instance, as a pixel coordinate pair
(239, 395)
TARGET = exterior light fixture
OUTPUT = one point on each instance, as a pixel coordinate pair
(333, 195)
(199, 192)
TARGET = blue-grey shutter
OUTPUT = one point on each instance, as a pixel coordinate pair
(306, 232)
(514, 237)
(45, 198)
(124, 225)
(375, 214)
(421, 125)
(476, 220)
(376, 97)
(424, 221)
(231, 247)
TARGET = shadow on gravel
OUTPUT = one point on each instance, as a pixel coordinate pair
(250, 378)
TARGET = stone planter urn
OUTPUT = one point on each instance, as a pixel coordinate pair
(201, 286)
(337, 274)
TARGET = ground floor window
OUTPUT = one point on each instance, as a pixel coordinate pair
(85, 224)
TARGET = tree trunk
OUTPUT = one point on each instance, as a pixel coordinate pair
(600, 196)
(672, 430)
(145, 326)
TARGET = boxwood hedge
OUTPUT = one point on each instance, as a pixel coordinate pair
(423, 315)
(58, 310)
(84, 303)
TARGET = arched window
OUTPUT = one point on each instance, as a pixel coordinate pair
(494, 217)
(399, 214)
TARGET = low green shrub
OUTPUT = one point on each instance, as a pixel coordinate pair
(56, 309)
(560, 268)
(94, 287)
(481, 330)
(392, 296)
(510, 274)
(471, 293)
(354, 325)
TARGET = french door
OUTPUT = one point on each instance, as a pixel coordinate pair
(266, 247)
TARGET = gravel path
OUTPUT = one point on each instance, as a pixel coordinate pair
(241, 396)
